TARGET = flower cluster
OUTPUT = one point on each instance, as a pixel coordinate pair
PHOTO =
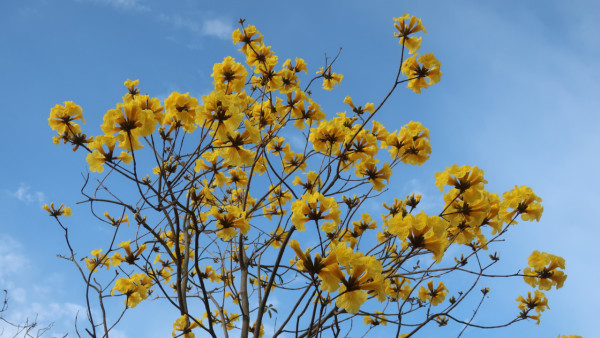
(136, 288)
(543, 271)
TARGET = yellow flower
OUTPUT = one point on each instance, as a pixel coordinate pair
(377, 319)
(404, 30)
(327, 137)
(411, 144)
(131, 256)
(298, 67)
(230, 219)
(261, 332)
(165, 271)
(314, 207)
(273, 209)
(524, 202)
(248, 35)
(434, 296)
(539, 302)
(151, 104)
(379, 131)
(185, 325)
(313, 182)
(466, 212)
(289, 81)
(214, 166)
(277, 237)
(135, 288)
(330, 79)
(461, 179)
(131, 122)
(306, 115)
(132, 91)
(441, 320)
(226, 319)
(99, 259)
(350, 300)
(233, 152)
(398, 288)
(167, 168)
(278, 195)
(365, 223)
(116, 221)
(276, 146)
(367, 169)
(183, 110)
(238, 177)
(61, 118)
(421, 231)
(493, 219)
(326, 268)
(293, 161)
(99, 156)
(232, 148)
(260, 55)
(229, 76)
(542, 271)
(364, 277)
(398, 207)
(363, 146)
(294, 103)
(220, 112)
(370, 107)
(61, 211)
(421, 75)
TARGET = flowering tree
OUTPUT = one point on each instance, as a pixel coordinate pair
(214, 212)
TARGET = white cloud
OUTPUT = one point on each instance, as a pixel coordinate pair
(58, 317)
(29, 295)
(19, 295)
(218, 28)
(135, 5)
(11, 260)
(210, 27)
(53, 312)
(24, 194)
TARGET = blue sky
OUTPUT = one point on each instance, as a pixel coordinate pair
(518, 98)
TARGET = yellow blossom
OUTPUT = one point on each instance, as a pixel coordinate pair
(229, 76)
(61, 211)
(523, 201)
(543, 271)
(405, 30)
(330, 79)
(136, 288)
(422, 73)
(411, 144)
(434, 296)
(368, 169)
(314, 207)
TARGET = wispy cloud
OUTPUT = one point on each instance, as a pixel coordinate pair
(11, 260)
(202, 27)
(27, 302)
(218, 28)
(58, 317)
(24, 194)
(135, 5)
(209, 27)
